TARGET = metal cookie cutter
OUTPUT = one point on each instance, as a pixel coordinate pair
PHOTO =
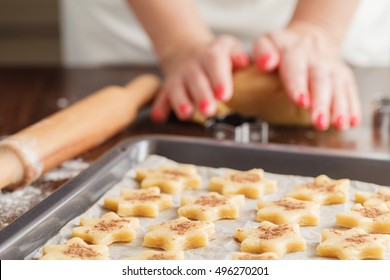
(238, 128)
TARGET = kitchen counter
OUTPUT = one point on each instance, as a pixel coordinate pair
(28, 95)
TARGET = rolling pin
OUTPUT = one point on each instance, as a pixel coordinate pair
(26, 155)
(262, 94)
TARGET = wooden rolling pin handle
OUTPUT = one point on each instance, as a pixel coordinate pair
(36, 149)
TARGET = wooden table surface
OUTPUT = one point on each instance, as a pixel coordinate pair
(28, 95)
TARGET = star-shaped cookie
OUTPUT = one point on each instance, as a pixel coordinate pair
(289, 210)
(322, 190)
(180, 234)
(352, 244)
(268, 237)
(143, 203)
(170, 179)
(158, 255)
(249, 256)
(75, 249)
(250, 183)
(211, 206)
(107, 229)
(373, 199)
(371, 219)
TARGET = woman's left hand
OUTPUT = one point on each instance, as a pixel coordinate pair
(312, 73)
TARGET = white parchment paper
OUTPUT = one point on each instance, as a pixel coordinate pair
(224, 244)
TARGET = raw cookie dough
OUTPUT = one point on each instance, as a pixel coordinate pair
(322, 190)
(107, 229)
(179, 234)
(372, 199)
(170, 179)
(211, 206)
(250, 183)
(289, 210)
(75, 249)
(268, 237)
(371, 219)
(142, 203)
(352, 244)
(158, 255)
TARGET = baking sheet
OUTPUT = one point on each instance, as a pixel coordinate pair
(23, 237)
(224, 244)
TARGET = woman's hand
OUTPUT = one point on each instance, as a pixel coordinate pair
(312, 73)
(197, 76)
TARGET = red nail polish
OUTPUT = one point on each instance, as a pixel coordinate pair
(204, 106)
(220, 92)
(340, 122)
(321, 122)
(263, 61)
(157, 115)
(241, 60)
(184, 109)
(354, 121)
(304, 100)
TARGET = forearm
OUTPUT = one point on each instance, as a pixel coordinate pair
(332, 16)
(171, 24)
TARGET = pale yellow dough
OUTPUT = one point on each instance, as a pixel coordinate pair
(170, 179)
(75, 249)
(352, 244)
(268, 237)
(249, 256)
(158, 255)
(373, 199)
(322, 190)
(211, 207)
(142, 203)
(371, 219)
(180, 234)
(289, 210)
(107, 229)
(250, 183)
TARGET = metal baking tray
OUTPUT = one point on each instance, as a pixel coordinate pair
(31, 230)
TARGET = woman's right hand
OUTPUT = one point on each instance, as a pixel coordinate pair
(197, 76)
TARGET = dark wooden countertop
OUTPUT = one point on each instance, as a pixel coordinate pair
(29, 94)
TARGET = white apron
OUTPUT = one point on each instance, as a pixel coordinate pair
(106, 32)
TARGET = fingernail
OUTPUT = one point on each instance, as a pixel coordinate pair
(304, 100)
(184, 110)
(157, 115)
(340, 122)
(204, 106)
(263, 61)
(321, 122)
(220, 92)
(354, 121)
(241, 60)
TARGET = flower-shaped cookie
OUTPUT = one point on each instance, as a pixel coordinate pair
(107, 229)
(143, 203)
(250, 183)
(352, 244)
(158, 255)
(75, 249)
(322, 190)
(249, 256)
(373, 199)
(268, 237)
(170, 179)
(371, 219)
(211, 207)
(289, 210)
(179, 234)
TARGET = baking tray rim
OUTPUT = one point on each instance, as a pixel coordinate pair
(11, 234)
